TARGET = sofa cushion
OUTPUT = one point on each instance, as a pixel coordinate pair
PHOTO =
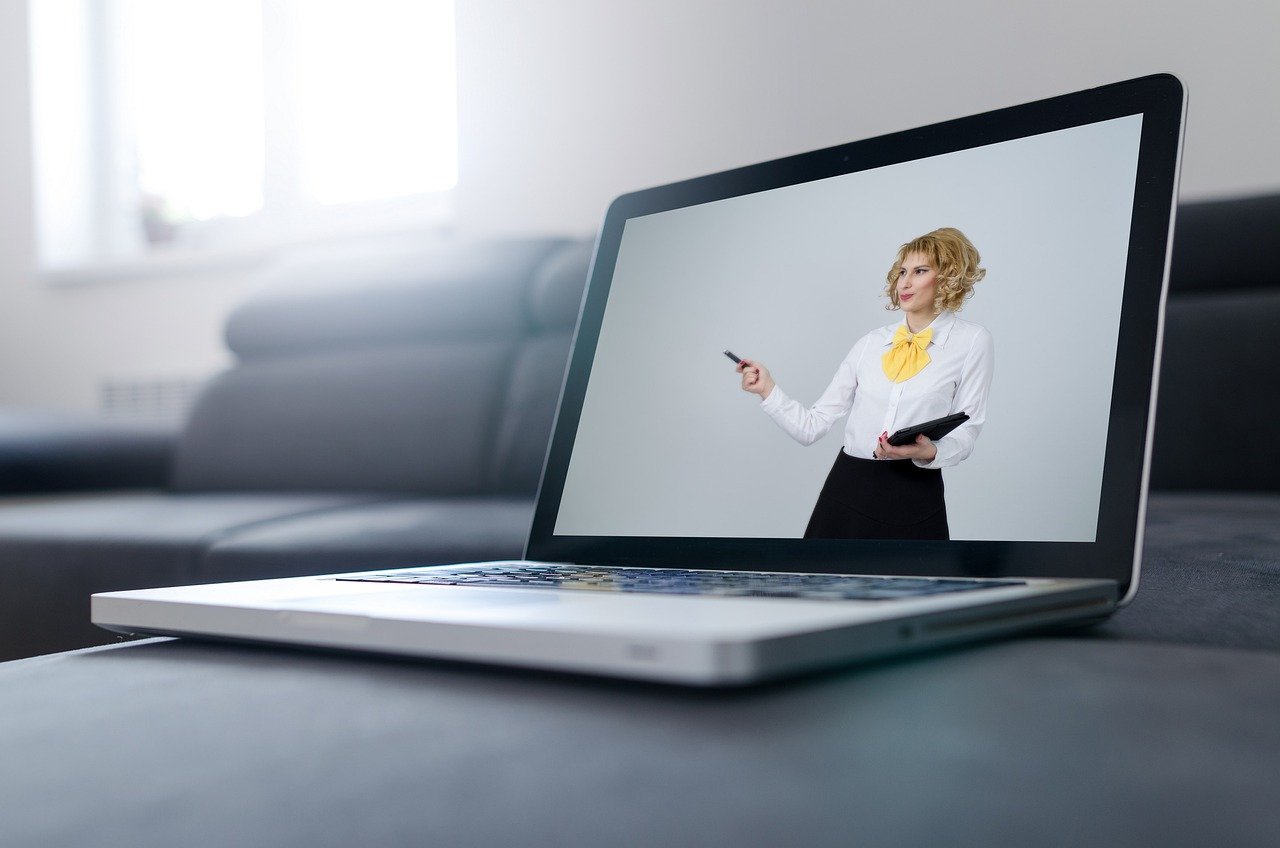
(389, 292)
(1213, 238)
(555, 291)
(363, 537)
(1023, 742)
(526, 413)
(57, 551)
(412, 418)
(1217, 370)
(532, 392)
(1218, 375)
(43, 451)
(1210, 573)
(425, 367)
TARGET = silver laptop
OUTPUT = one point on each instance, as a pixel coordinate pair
(880, 397)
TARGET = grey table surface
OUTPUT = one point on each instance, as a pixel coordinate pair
(1124, 734)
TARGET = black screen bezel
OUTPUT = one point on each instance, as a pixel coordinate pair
(1160, 101)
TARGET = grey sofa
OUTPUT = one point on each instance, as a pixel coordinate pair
(1220, 375)
(1155, 728)
(390, 405)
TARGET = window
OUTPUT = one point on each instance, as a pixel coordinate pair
(197, 127)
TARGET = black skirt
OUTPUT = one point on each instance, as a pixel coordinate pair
(879, 499)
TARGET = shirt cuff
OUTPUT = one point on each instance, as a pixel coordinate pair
(939, 459)
(775, 401)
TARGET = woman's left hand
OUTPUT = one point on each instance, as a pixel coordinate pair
(922, 449)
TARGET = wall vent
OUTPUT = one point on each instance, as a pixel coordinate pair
(160, 400)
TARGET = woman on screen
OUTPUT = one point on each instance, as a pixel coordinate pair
(929, 365)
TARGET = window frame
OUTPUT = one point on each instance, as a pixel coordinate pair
(286, 220)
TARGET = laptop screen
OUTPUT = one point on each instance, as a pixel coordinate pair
(993, 267)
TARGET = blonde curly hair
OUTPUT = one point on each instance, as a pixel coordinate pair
(955, 259)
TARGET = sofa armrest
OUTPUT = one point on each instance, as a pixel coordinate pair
(43, 452)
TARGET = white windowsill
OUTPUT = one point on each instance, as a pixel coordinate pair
(175, 264)
(248, 253)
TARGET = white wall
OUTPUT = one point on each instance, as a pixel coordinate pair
(58, 343)
(566, 103)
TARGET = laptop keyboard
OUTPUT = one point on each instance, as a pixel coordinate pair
(677, 581)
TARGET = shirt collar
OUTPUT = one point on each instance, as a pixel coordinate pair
(941, 327)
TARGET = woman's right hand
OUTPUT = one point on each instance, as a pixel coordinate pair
(755, 378)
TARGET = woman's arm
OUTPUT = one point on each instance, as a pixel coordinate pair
(971, 397)
(809, 425)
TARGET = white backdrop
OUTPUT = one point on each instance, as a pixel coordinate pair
(669, 445)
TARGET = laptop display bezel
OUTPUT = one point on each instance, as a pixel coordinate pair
(1160, 100)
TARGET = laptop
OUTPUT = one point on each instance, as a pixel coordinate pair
(691, 526)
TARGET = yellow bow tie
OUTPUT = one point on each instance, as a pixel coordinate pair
(907, 357)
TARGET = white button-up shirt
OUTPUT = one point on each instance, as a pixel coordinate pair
(957, 379)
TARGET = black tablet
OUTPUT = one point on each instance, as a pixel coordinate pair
(935, 429)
